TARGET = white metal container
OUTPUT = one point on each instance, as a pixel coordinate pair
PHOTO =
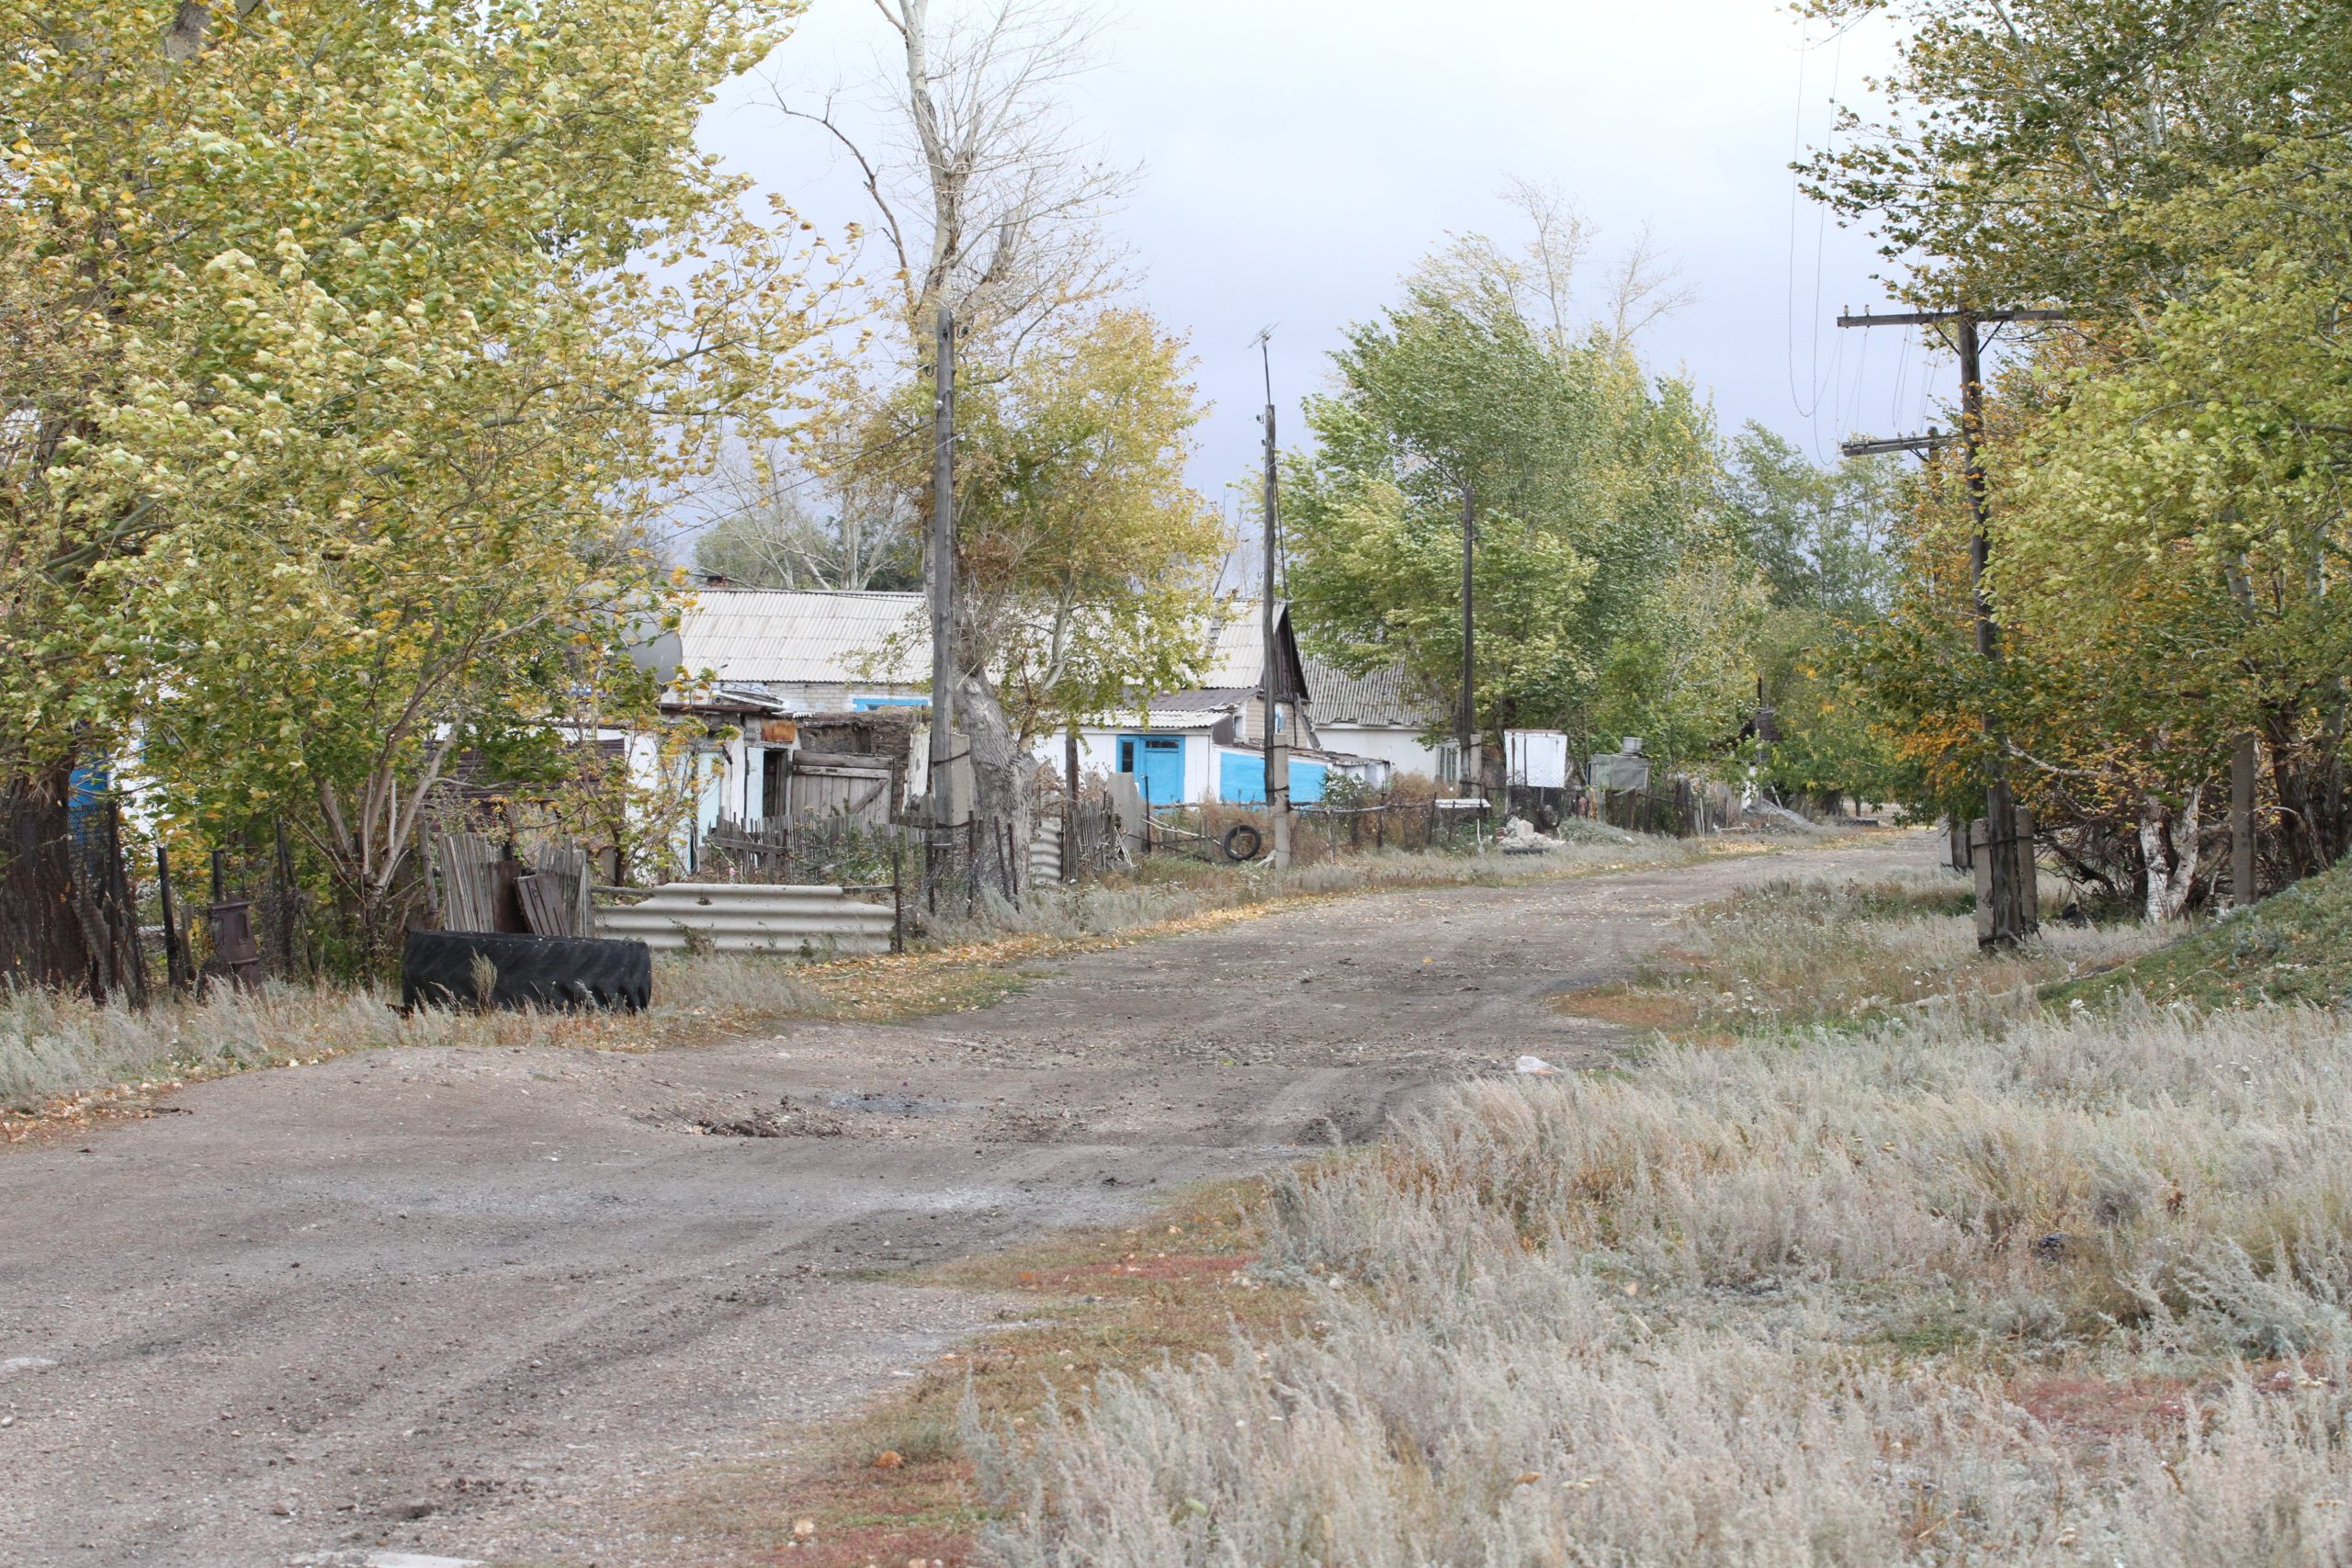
(814, 922)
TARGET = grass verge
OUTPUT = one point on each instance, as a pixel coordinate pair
(1798, 955)
(1971, 1280)
(895, 1483)
(2295, 947)
(2066, 1291)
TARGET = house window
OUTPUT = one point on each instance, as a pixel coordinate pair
(1449, 762)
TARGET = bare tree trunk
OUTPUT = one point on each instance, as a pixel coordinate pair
(2172, 868)
(2302, 838)
(1000, 772)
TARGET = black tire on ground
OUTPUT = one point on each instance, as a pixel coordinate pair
(1243, 842)
(437, 969)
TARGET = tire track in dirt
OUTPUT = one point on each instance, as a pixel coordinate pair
(485, 1304)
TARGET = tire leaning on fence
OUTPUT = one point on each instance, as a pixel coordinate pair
(444, 969)
(1243, 842)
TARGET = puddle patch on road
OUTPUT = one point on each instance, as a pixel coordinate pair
(788, 1119)
(894, 1104)
(785, 1119)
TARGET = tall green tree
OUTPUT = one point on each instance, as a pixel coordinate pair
(2169, 525)
(1593, 483)
(1824, 539)
(1086, 562)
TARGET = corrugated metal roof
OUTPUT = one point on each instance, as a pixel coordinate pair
(774, 635)
(1186, 710)
(1237, 651)
(1188, 718)
(1380, 696)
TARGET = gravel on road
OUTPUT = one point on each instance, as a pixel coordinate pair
(487, 1304)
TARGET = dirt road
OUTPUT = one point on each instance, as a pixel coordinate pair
(479, 1304)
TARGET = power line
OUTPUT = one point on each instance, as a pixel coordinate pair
(1809, 406)
(921, 459)
(2006, 915)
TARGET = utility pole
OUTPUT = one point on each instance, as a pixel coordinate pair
(1466, 724)
(1069, 801)
(2008, 915)
(940, 839)
(2243, 761)
(1270, 677)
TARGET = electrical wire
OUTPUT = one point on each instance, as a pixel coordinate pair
(766, 496)
(1902, 378)
(1788, 292)
(1809, 407)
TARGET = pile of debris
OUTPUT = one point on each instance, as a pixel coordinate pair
(1766, 818)
(1586, 830)
(1518, 837)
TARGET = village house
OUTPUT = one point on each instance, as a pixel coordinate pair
(816, 702)
(1207, 743)
(1377, 715)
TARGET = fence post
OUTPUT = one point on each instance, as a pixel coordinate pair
(898, 892)
(175, 967)
(123, 918)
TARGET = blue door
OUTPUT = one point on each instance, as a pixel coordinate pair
(1157, 763)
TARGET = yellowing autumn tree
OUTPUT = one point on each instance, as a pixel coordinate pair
(2168, 466)
(360, 343)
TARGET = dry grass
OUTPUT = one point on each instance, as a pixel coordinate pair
(1953, 1293)
(895, 1483)
(64, 1058)
(1165, 888)
(1978, 1282)
(1795, 954)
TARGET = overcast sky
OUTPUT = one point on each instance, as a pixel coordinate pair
(1297, 156)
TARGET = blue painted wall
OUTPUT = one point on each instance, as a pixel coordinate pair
(1242, 779)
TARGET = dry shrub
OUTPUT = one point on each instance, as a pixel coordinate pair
(1807, 951)
(55, 1043)
(1674, 1318)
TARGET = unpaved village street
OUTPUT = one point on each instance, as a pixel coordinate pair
(481, 1304)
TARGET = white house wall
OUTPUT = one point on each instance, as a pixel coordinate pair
(1098, 752)
(1402, 749)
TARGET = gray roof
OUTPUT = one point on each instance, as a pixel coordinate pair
(1380, 698)
(1237, 650)
(762, 635)
(1237, 644)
